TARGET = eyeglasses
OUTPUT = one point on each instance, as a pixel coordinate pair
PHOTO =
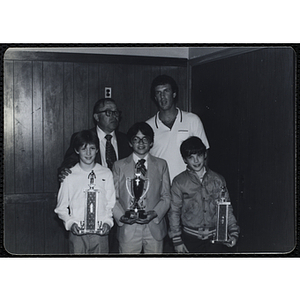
(109, 113)
(136, 140)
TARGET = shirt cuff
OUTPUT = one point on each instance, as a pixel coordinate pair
(177, 241)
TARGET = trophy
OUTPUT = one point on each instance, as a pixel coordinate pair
(91, 224)
(222, 219)
(137, 189)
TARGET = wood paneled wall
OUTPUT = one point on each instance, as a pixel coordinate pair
(47, 99)
(246, 103)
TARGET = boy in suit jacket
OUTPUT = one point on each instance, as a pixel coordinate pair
(142, 234)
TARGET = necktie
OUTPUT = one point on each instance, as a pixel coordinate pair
(110, 153)
(140, 166)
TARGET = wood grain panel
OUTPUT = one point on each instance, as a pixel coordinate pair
(23, 126)
(9, 162)
(106, 79)
(156, 70)
(93, 91)
(247, 109)
(124, 92)
(40, 227)
(271, 131)
(54, 244)
(24, 229)
(53, 122)
(183, 88)
(142, 99)
(10, 227)
(81, 102)
(32, 227)
(45, 102)
(68, 104)
(37, 128)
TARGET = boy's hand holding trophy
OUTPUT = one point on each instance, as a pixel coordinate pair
(221, 235)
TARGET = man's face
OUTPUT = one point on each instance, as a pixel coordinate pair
(140, 144)
(196, 162)
(107, 123)
(164, 96)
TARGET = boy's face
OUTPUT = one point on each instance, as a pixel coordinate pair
(140, 144)
(196, 162)
(87, 154)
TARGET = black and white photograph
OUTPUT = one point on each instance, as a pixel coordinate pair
(149, 151)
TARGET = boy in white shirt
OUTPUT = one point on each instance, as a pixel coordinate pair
(86, 174)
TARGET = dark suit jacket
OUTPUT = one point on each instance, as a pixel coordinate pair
(71, 158)
(158, 196)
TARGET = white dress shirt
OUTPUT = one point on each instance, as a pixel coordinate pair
(102, 141)
(136, 159)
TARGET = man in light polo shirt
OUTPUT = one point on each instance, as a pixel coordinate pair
(171, 125)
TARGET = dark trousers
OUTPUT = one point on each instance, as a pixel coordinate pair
(112, 240)
(168, 243)
(195, 245)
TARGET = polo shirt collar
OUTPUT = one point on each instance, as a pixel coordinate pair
(158, 121)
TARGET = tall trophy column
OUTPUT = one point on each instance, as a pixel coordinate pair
(91, 224)
(222, 218)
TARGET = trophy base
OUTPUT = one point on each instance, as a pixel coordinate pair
(219, 241)
(136, 214)
(99, 232)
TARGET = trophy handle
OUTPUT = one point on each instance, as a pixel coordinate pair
(147, 183)
(128, 181)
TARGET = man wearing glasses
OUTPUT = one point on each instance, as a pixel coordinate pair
(113, 144)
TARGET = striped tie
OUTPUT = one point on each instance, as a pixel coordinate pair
(140, 166)
(110, 153)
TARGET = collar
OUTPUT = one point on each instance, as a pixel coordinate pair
(136, 158)
(200, 175)
(158, 121)
(101, 134)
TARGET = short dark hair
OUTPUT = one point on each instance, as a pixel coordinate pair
(85, 137)
(192, 145)
(101, 102)
(161, 80)
(144, 128)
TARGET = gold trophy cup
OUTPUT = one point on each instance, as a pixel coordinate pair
(137, 189)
